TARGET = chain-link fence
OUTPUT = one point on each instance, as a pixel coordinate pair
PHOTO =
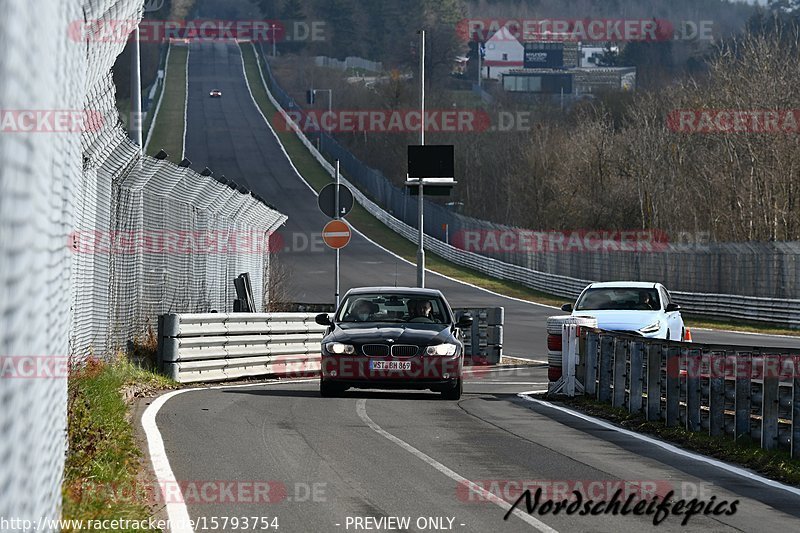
(95, 240)
(689, 263)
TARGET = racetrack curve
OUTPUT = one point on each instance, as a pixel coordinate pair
(229, 136)
(389, 454)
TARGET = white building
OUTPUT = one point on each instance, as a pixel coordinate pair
(503, 53)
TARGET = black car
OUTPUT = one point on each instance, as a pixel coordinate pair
(393, 338)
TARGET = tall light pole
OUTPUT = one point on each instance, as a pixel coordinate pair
(273, 40)
(135, 128)
(330, 102)
(421, 204)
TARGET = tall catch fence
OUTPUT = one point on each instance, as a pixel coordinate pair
(684, 263)
(69, 285)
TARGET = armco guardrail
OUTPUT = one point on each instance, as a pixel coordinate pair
(750, 394)
(781, 312)
(218, 347)
(483, 342)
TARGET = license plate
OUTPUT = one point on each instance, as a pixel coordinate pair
(390, 365)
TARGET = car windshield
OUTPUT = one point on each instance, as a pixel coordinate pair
(619, 298)
(393, 308)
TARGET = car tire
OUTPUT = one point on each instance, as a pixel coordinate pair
(330, 390)
(454, 393)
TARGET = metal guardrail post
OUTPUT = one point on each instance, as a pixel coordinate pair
(606, 368)
(795, 445)
(653, 381)
(673, 385)
(637, 367)
(716, 394)
(693, 363)
(769, 405)
(620, 374)
(743, 369)
(590, 378)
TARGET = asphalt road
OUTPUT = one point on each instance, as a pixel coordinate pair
(229, 136)
(386, 454)
(332, 464)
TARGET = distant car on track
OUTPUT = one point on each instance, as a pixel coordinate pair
(393, 338)
(639, 308)
(216, 93)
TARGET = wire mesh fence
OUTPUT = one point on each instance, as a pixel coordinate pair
(95, 240)
(686, 263)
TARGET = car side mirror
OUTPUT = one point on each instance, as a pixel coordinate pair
(567, 308)
(323, 319)
(673, 307)
(464, 322)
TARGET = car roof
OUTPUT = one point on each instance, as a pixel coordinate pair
(623, 284)
(414, 291)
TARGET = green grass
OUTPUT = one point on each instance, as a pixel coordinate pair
(380, 233)
(169, 125)
(103, 476)
(774, 464)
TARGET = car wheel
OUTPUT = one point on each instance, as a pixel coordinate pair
(329, 390)
(455, 392)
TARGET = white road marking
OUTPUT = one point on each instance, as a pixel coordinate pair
(669, 447)
(177, 511)
(361, 409)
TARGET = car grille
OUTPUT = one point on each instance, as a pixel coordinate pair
(404, 350)
(375, 350)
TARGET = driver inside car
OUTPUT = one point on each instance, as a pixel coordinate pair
(361, 311)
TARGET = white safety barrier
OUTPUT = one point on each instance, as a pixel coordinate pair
(563, 352)
(219, 346)
(785, 312)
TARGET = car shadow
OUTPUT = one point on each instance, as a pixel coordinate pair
(350, 394)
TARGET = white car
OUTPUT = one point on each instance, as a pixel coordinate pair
(640, 308)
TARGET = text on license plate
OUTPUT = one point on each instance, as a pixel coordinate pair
(390, 365)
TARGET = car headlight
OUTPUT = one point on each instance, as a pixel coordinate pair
(338, 348)
(652, 328)
(441, 349)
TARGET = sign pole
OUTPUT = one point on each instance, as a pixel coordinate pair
(421, 249)
(336, 270)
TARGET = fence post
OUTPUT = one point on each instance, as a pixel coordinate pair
(716, 395)
(590, 379)
(795, 406)
(769, 402)
(653, 382)
(673, 384)
(637, 364)
(620, 352)
(743, 366)
(693, 364)
(606, 368)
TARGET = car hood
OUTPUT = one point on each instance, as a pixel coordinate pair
(418, 334)
(622, 320)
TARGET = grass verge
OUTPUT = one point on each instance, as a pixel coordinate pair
(777, 465)
(104, 477)
(317, 177)
(170, 123)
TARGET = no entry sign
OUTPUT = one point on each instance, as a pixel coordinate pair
(336, 234)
